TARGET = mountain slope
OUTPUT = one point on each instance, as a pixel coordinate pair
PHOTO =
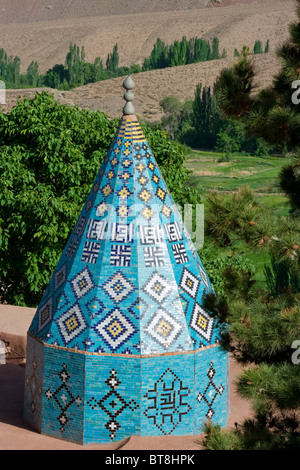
(47, 42)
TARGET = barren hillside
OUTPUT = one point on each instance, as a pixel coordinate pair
(28, 11)
(134, 26)
(236, 23)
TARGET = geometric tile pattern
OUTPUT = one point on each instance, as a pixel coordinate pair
(115, 328)
(154, 256)
(125, 346)
(90, 398)
(211, 392)
(63, 397)
(157, 287)
(163, 328)
(130, 244)
(120, 255)
(118, 287)
(34, 383)
(113, 404)
(71, 324)
(179, 253)
(167, 402)
(201, 322)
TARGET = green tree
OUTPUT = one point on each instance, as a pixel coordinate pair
(57, 77)
(215, 48)
(33, 74)
(273, 114)
(49, 157)
(176, 114)
(206, 117)
(258, 47)
(262, 324)
(261, 331)
(112, 61)
(267, 46)
(75, 60)
(230, 137)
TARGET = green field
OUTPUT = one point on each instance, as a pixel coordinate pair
(260, 173)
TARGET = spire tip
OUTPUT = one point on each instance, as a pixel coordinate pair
(129, 85)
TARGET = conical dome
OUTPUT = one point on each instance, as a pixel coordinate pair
(122, 315)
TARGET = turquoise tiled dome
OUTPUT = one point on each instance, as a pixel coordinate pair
(120, 332)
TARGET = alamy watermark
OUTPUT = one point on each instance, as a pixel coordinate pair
(296, 354)
(2, 92)
(295, 95)
(119, 219)
(2, 352)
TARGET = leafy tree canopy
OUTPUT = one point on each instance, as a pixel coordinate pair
(50, 155)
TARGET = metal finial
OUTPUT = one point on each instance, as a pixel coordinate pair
(129, 85)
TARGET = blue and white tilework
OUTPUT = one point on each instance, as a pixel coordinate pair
(124, 344)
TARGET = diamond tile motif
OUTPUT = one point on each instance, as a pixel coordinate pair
(45, 314)
(115, 329)
(118, 287)
(123, 211)
(157, 287)
(113, 404)
(124, 193)
(60, 277)
(101, 209)
(163, 328)
(63, 398)
(166, 211)
(82, 283)
(211, 392)
(71, 324)
(189, 283)
(107, 190)
(147, 213)
(201, 322)
(161, 193)
(142, 180)
(145, 195)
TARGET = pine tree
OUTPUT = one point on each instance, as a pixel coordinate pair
(264, 329)
(263, 325)
(272, 114)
